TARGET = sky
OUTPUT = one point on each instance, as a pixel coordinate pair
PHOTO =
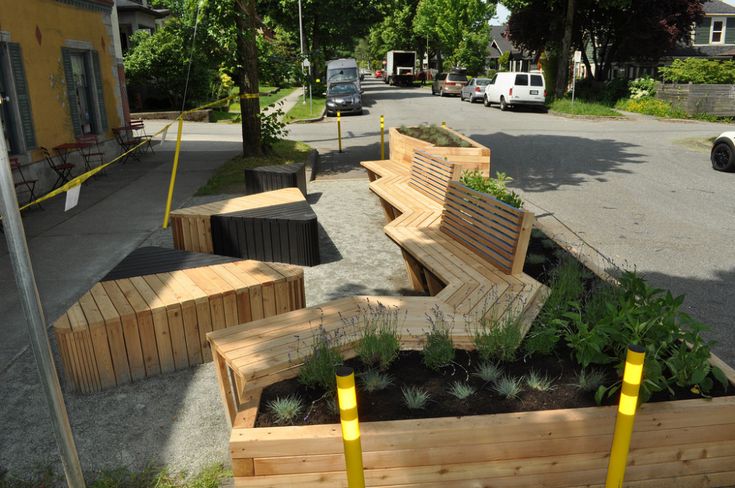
(502, 14)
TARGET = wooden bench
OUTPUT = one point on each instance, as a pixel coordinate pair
(273, 226)
(150, 314)
(268, 178)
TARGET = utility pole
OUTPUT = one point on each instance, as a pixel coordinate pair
(301, 40)
(33, 311)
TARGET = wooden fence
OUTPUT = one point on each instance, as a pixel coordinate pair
(699, 99)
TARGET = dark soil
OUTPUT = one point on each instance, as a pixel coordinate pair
(409, 370)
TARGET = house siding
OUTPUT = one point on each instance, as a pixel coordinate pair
(702, 32)
(730, 31)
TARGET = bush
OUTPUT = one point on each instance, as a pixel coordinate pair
(607, 92)
(642, 88)
(492, 186)
(439, 348)
(379, 342)
(699, 71)
(319, 369)
(651, 106)
(435, 135)
(496, 340)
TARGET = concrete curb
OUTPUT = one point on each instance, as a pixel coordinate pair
(311, 121)
(600, 118)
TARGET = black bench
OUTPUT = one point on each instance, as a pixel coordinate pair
(268, 178)
(287, 233)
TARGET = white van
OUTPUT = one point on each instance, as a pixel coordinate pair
(511, 89)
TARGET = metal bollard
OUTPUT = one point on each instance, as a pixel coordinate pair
(382, 137)
(350, 426)
(626, 416)
(339, 129)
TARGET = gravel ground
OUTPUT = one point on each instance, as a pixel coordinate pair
(177, 419)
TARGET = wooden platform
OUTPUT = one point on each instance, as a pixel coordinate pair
(276, 226)
(150, 315)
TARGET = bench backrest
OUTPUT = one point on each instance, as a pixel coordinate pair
(495, 231)
(431, 175)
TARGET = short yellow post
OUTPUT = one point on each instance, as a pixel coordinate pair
(339, 129)
(350, 426)
(382, 137)
(444, 124)
(626, 416)
(173, 173)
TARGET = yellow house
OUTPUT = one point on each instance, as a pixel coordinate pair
(60, 75)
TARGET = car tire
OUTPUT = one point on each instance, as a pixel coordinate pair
(503, 105)
(441, 93)
(722, 156)
(485, 101)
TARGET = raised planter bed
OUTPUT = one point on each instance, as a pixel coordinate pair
(477, 157)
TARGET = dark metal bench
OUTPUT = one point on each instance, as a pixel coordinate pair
(268, 178)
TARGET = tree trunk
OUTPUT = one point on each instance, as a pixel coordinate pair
(587, 64)
(562, 73)
(247, 77)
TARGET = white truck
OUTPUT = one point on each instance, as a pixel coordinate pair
(400, 67)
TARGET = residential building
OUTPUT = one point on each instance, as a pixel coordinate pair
(60, 76)
(135, 15)
(499, 44)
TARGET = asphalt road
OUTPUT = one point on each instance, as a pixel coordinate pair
(628, 187)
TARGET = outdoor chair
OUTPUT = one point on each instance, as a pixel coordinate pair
(127, 142)
(63, 171)
(93, 156)
(137, 127)
(25, 185)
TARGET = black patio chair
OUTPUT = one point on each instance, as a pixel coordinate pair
(63, 170)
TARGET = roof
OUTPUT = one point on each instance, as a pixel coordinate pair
(129, 6)
(342, 63)
(719, 51)
(496, 36)
(717, 7)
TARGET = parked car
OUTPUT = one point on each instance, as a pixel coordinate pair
(449, 83)
(512, 89)
(723, 152)
(379, 73)
(344, 98)
(474, 90)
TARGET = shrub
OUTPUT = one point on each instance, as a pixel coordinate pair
(373, 380)
(438, 350)
(651, 106)
(435, 135)
(496, 187)
(497, 340)
(590, 379)
(318, 370)
(461, 390)
(285, 409)
(700, 71)
(642, 88)
(415, 398)
(488, 372)
(508, 387)
(535, 381)
(379, 343)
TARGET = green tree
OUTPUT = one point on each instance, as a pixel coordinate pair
(460, 29)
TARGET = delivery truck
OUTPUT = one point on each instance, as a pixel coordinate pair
(400, 68)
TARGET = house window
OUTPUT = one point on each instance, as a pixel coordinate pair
(84, 90)
(717, 35)
(15, 103)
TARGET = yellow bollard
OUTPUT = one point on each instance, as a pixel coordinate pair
(339, 129)
(444, 124)
(382, 137)
(626, 416)
(173, 174)
(350, 426)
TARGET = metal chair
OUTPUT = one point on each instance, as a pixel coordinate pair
(92, 153)
(137, 127)
(30, 185)
(63, 171)
(126, 141)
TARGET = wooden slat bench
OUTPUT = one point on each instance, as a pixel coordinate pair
(269, 178)
(150, 315)
(277, 226)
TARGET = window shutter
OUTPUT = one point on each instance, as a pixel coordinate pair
(730, 31)
(99, 91)
(76, 121)
(23, 97)
(701, 34)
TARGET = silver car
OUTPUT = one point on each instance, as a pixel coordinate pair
(474, 90)
(344, 98)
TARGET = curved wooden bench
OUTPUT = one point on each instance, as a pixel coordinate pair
(151, 313)
(275, 226)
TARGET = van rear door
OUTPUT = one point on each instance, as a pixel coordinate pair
(528, 88)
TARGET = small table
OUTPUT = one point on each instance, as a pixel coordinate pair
(65, 149)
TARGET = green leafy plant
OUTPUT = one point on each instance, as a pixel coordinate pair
(379, 343)
(461, 390)
(318, 370)
(437, 136)
(415, 398)
(438, 351)
(373, 380)
(535, 259)
(651, 106)
(699, 71)
(642, 88)
(496, 187)
(590, 379)
(497, 339)
(272, 127)
(508, 387)
(285, 409)
(535, 381)
(488, 372)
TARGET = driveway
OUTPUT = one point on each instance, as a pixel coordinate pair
(629, 187)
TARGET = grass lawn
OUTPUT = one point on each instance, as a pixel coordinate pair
(301, 110)
(229, 177)
(265, 100)
(580, 107)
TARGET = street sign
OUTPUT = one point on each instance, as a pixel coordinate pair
(577, 56)
(306, 63)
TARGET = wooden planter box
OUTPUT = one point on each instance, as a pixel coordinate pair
(689, 443)
(468, 158)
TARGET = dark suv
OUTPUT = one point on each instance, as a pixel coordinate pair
(449, 83)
